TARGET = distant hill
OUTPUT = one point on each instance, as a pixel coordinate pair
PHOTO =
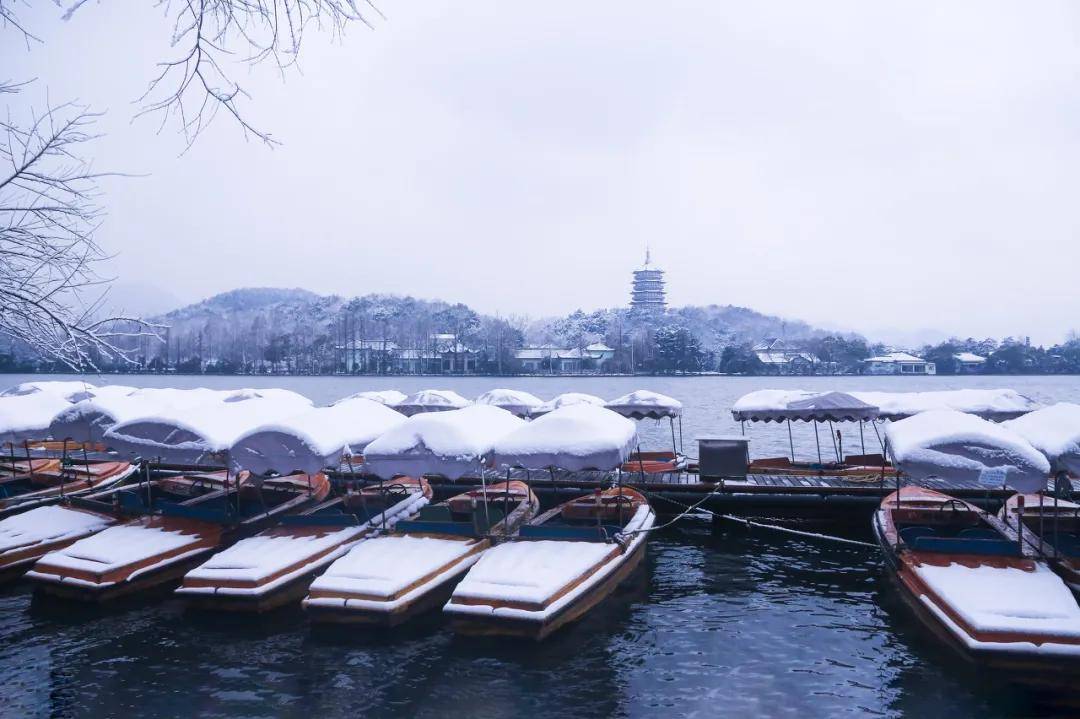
(242, 300)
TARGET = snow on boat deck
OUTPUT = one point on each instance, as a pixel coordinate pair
(385, 566)
(1006, 599)
(117, 547)
(256, 558)
(531, 571)
(47, 524)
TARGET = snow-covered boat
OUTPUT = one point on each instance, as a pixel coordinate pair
(275, 567)
(975, 586)
(36, 482)
(570, 558)
(389, 579)
(171, 537)
(1051, 528)
(26, 537)
(561, 565)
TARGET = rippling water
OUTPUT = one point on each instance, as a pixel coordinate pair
(732, 623)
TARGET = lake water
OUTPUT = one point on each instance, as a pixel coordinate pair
(731, 623)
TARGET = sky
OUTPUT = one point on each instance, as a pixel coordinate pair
(902, 169)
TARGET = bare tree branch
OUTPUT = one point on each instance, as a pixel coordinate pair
(48, 254)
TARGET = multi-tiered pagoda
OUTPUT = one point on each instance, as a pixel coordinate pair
(647, 290)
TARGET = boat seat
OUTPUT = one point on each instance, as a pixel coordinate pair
(979, 533)
(562, 531)
(485, 520)
(964, 545)
(461, 529)
(909, 534)
(435, 513)
(1067, 544)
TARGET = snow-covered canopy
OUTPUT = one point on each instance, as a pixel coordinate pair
(575, 437)
(388, 397)
(643, 403)
(772, 405)
(431, 400)
(993, 404)
(566, 400)
(27, 416)
(191, 434)
(451, 443)
(962, 447)
(62, 389)
(1054, 431)
(512, 400)
(88, 419)
(315, 439)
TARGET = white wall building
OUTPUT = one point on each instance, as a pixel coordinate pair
(898, 363)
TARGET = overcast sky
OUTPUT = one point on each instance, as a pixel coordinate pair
(884, 167)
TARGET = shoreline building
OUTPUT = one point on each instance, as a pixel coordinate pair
(647, 292)
(900, 363)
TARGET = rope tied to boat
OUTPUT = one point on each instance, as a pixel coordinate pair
(687, 509)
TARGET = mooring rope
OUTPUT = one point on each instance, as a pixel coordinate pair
(747, 522)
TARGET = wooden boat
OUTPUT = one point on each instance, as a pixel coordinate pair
(275, 567)
(171, 537)
(654, 462)
(561, 565)
(387, 580)
(976, 587)
(34, 482)
(861, 465)
(1051, 528)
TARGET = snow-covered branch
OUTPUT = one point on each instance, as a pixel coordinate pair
(50, 293)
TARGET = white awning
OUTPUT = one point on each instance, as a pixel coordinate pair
(1054, 431)
(315, 439)
(512, 400)
(450, 444)
(193, 434)
(27, 416)
(64, 389)
(643, 403)
(566, 400)
(962, 447)
(771, 405)
(388, 397)
(431, 400)
(992, 404)
(575, 437)
(87, 420)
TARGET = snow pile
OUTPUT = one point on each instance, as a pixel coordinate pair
(986, 403)
(531, 571)
(385, 566)
(431, 400)
(799, 405)
(191, 434)
(315, 439)
(1054, 431)
(643, 403)
(117, 547)
(256, 558)
(566, 400)
(387, 396)
(962, 447)
(512, 400)
(1009, 600)
(451, 444)
(45, 525)
(575, 437)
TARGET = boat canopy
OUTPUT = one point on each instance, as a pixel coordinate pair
(386, 396)
(1054, 431)
(512, 400)
(313, 440)
(193, 434)
(566, 400)
(64, 389)
(450, 444)
(771, 405)
(992, 404)
(88, 419)
(575, 437)
(955, 447)
(431, 400)
(643, 403)
(27, 416)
